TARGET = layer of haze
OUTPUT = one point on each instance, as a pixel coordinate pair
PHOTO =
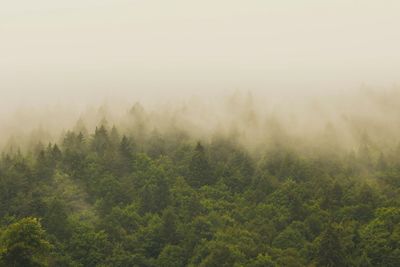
(60, 58)
(85, 50)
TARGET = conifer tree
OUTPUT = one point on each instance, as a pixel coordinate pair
(330, 252)
(199, 169)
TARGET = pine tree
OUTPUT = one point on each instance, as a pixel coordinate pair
(199, 169)
(330, 252)
(101, 141)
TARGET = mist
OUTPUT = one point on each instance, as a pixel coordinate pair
(339, 121)
(308, 65)
(82, 52)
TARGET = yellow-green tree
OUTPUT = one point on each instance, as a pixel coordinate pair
(24, 244)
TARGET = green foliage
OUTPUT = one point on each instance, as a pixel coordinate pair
(171, 256)
(88, 246)
(200, 172)
(145, 198)
(262, 260)
(24, 243)
(381, 238)
(330, 251)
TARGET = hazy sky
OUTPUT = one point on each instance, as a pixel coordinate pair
(84, 50)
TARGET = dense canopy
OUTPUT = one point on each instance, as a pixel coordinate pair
(129, 198)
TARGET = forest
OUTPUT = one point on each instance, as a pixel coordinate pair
(142, 196)
(229, 133)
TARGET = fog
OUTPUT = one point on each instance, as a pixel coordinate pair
(310, 65)
(341, 122)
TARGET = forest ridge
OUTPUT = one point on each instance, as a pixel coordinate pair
(139, 195)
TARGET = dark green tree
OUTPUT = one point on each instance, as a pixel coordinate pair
(330, 251)
(200, 172)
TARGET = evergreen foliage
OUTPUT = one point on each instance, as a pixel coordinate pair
(115, 198)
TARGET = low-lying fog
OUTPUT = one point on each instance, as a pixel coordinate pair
(245, 69)
(341, 119)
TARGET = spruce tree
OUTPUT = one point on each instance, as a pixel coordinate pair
(330, 252)
(199, 169)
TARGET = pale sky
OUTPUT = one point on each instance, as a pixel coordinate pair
(59, 51)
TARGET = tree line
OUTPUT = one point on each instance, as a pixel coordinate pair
(113, 199)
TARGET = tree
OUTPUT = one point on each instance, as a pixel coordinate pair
(381, 238)
(126, 156)
(87, 246)
(56, 219)
(24, 244)
(330, 252)
(171, 256)
(221, 255)
(169, 229)
(150, 181)
(289, 238)
(262, 260)
(101, 141)
(200, 172)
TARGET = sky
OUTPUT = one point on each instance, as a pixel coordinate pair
(83, 51)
